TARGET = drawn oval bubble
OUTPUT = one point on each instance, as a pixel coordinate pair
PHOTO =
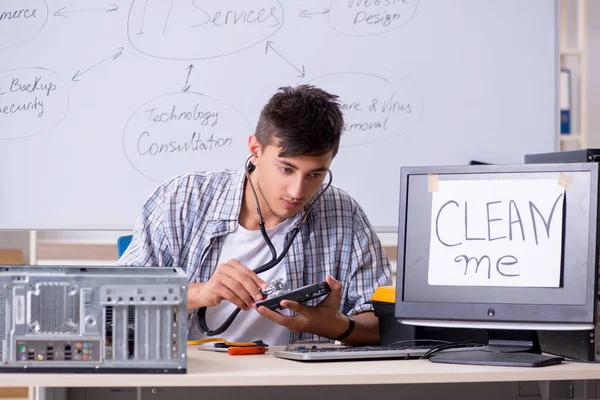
(32, 101)
(185, 132)
(194, 30)
(370, 17)
(374, 107)
(21, 20)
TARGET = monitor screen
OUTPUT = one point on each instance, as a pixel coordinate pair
(498, 245)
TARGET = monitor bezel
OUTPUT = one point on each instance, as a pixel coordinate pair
(478, 312)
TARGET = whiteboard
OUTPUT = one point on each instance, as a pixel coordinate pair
(100, 102)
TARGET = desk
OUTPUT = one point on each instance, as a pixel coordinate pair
(212, 369)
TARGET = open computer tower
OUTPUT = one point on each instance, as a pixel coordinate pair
(93, 319)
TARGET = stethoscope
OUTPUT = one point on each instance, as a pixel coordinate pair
(248, 167)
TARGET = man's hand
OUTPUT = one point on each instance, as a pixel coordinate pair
(231, 281)
(324, 319)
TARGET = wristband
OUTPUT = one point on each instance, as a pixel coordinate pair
(348, 331)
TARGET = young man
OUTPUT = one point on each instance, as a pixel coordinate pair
(208, 224)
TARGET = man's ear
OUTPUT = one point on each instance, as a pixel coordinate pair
(255, 148)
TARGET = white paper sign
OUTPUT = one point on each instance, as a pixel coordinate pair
(496, 233)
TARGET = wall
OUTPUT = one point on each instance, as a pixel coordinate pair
(15, 240)
(12, 239)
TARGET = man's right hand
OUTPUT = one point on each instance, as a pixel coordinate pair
(231, 281)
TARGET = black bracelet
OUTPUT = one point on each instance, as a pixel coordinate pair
(348, 331)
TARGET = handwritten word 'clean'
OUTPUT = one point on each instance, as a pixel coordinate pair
(514, 218)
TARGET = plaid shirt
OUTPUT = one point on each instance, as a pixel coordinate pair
(185, 220)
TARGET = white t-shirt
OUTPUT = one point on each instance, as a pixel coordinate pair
(251, 250)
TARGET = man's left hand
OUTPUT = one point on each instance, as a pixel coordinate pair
(324, 319)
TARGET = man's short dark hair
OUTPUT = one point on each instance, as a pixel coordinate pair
(306, 120)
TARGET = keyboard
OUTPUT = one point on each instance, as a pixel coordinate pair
(340, 353)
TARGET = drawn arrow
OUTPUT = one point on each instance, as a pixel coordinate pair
(301, 72)
(307, 14)
(63, 13)
(141, 32)
(187, 86)
(113, 57)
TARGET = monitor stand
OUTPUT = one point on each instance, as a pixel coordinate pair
(514, 348)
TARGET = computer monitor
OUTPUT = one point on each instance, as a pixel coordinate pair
(535, 224)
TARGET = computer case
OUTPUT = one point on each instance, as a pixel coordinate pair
(574, 156)
(76, 319)
(577, 345)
